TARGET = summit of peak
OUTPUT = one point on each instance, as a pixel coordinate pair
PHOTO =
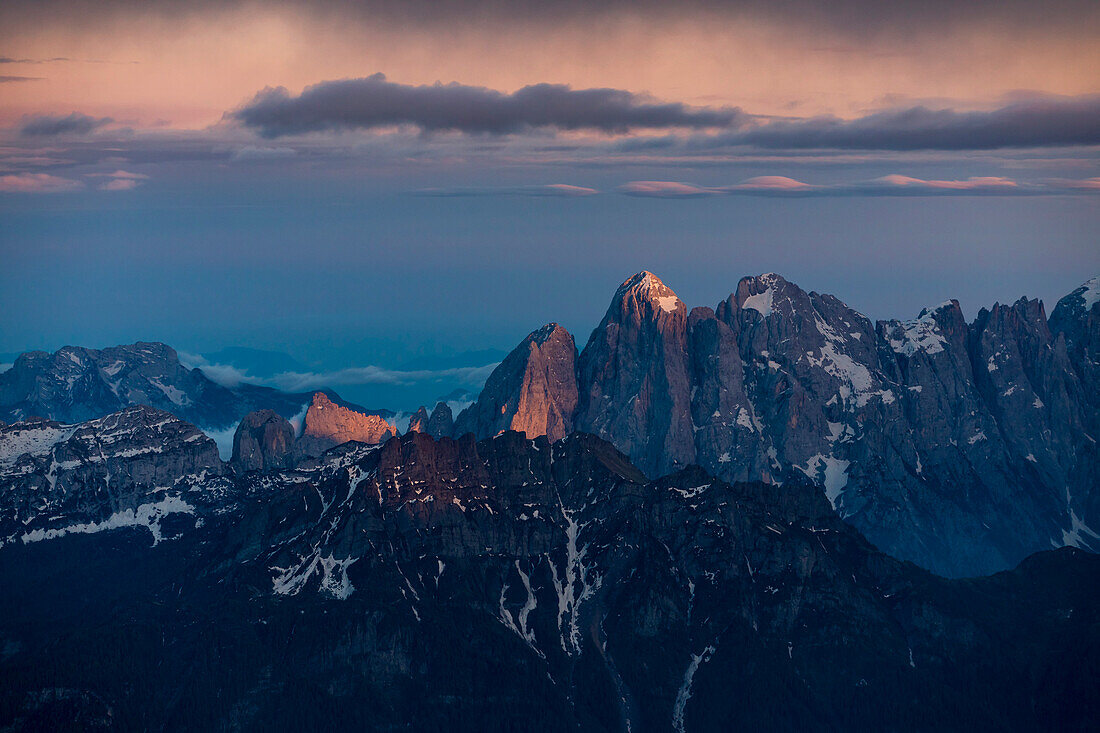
(933, 309)
(645, 286)
(546, 332)
(767, 279)
(758, 292)
(645, 278)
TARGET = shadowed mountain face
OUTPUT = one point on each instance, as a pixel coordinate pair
(502, 585)
(126, 469)
(262, 442)
(962, 447)
(75, 384)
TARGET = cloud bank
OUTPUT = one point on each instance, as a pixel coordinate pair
(75, 123)
(1039, 122)
(231, 376)
(374, 102)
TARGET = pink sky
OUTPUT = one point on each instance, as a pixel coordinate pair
(186, 69)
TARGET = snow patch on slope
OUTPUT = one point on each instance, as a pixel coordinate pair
(684, 693)
(668, 303)
(830, 471)
(37, 440)
(1090, 293)
(761, 302)
(146, 515)
(923, 334)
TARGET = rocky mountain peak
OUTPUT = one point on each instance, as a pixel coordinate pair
(544, 334)
(75, 384)
(533, 390)
(263, 441)
(1082, 301)
(438, 424)
(762, 292)
(947, 307)
(328, 424)
(1076, 320)
(646, 294)
(419, 421)
(441, 423)
(634, 373)
(125, 469)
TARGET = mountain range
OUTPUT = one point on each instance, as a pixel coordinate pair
(494, 585)
(703, 519)
(74, 384)
(963, 447)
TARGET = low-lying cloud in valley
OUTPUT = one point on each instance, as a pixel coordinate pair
(230, 376)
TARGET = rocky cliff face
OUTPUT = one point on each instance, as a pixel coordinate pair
(441, 423)
(264, 441)
(132, 468)
(962, 447)
(533, 391)
(1076, 321)
(513, 584)
(635, 379)
(418, 423)
(327, 425)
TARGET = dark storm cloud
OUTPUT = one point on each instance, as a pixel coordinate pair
(375, 102)
(52, 125)
(1038, 122)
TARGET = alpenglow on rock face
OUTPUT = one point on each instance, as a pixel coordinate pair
(533, 391)
(327, 425)
(962, 447)
(418, 423)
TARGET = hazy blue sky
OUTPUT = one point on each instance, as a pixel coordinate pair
(242, 174)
